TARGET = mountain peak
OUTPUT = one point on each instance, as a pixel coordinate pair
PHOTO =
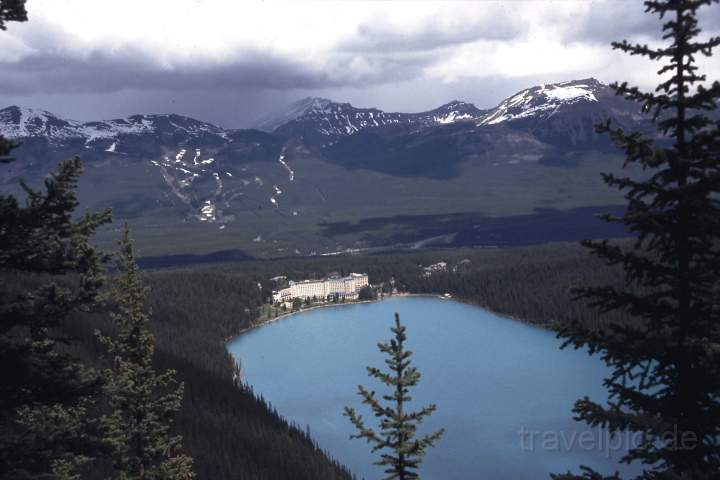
(18, 121)
(19, 114)
(454, 103)
(313, 103)
(321, 121)
(293, 111)
(544, 100)
(591, 81)
(454, 111)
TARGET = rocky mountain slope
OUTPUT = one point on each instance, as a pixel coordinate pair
(541, 123)
(320, 121)
(325, 162)
(18, 122)
(564, 114)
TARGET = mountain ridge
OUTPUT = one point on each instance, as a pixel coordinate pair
(24, 122)
(316, 119)
(272, 191)
(539, 122)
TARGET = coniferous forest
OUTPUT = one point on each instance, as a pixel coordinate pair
(227, 430)
(110, 371)
(196, 309)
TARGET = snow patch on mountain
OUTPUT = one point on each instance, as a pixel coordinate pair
(452, 112)
(207, 212)
(452, 117)
(180, 173)
(543, 101)
(569, 93)
(321, 121)
(316, 120)
(282, 161)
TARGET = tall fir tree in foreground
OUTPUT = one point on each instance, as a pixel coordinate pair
(143, 402)
(401, 451)
(665, 380)
(50, 273)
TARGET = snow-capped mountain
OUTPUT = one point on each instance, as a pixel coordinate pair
(201, 169)
(19, 122)
(543, 101)
(530, 123)
(293, 111)
(22, 122)
(565, 114)
(541, 123)
(556, 113)
(320, 121)
(181, 172)
(560, 113)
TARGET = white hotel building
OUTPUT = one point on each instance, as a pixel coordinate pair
(347, 287)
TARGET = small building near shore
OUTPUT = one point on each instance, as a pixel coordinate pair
(332, 286)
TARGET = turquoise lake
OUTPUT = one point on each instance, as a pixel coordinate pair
(504, 390)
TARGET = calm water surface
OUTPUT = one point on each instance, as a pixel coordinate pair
(491, 378)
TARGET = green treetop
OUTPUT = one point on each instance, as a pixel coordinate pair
(143, 402)
(401, 451)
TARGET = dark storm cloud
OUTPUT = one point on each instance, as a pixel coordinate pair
(133, 69)
(387, 61)
(376, 54)
(101, 72)
(383, 37)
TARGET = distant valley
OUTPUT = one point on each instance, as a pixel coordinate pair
(323, 177)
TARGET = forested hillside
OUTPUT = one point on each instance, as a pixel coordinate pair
(532, 284)
(229, 433)
(232, 434)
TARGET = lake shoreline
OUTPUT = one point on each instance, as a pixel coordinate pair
(262, 323)
(268, 321)
(309, 369)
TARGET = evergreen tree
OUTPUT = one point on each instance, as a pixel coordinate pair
(12, 11)
(665, 379)
(397, 427)
(44, 392)
(143, 401)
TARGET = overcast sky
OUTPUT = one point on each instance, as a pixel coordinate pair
(230, 61)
